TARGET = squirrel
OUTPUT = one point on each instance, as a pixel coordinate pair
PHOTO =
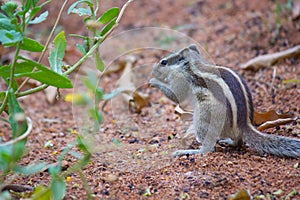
(222, 103)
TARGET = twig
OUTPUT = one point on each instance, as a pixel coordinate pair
(47, 43)
(86, 56)
(270, 59)
(17, 188)
(118, 19)
(273, 79)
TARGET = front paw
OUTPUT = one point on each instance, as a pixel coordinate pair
(154, 82)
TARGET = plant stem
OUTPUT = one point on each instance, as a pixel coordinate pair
(32, 90)
(47, 43)
(3, 105)
(11, 76)
(85, 185)
(84, 58)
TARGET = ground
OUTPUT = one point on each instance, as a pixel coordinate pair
(232, 32)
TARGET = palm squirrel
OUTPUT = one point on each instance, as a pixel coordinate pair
(222, 104)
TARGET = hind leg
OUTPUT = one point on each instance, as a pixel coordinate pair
(207, 128)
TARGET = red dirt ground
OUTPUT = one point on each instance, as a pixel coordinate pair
(232, 32)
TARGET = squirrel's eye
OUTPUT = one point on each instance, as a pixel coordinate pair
(164, 62)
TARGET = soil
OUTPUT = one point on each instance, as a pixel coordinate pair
(231, 32)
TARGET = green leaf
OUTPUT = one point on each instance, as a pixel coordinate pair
(81, 49)
(41, 193)
(98, 95)
(5, 23)
(57, 54)
(73, 6)
(5, 74)
(54, 170)
(95, 115)
(40, 18)
(81, 145)
(9, 38)
(108, 15)
(42, 74)
(98, 61)
(2, 16)
(2, 96)
(91, 81)
(106, 28)
(30, 169)
(30, 4)
(5, 157)
(17, 117)
(81, 163)
(9, 7)
(32, 45)
(76, 154)
(17, 150)
(58, 188)
(5, 195)
(35, 10)
(82, 11)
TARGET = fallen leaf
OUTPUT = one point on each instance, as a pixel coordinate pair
(138, 102)
(185, 115)
(260, 118)
(115, 68)
(271, 119)
(51, 93)
(270, 59)
(110, 178)
(275, 123)
(296, 9)
(135, 100)
(240, 195)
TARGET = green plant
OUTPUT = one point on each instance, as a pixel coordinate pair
(278, 10)
(14, 21)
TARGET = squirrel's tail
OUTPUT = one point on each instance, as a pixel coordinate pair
(272, 144)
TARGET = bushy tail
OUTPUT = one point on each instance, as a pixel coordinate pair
(272, 144)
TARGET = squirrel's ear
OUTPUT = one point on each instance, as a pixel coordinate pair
(185, 52)
(193, 47)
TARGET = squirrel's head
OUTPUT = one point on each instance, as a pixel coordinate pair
(169, 73)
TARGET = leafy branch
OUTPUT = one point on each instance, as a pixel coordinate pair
(13, 23)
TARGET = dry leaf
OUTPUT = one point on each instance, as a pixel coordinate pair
(240, 195)
(271, 119)
(275, 123)
(270, 59)
(260, 118)
(51, 93)
(138, 102)
(110, 178)
(185, 115)
(131, 96)
(115, 68)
